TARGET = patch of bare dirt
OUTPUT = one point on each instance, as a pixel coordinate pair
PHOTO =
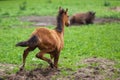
(36, 74)
(97, 69)
(40, 20)
(94, 69)
(106, 20)
(117, 8)
(51, 20)
(5, 69)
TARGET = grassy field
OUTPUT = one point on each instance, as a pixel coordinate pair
(80, 42)
(11, 10)
(97, 40)
(49, 7)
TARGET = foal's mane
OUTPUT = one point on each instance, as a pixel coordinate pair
(59, 21)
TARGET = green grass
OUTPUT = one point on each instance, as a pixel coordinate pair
(43, 7)
(12, 10)
(93, 40)
(80, 42)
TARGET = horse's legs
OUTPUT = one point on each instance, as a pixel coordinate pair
(84, 21)
(26, 51)
(41, 56)
(56, 58)
(51, 56)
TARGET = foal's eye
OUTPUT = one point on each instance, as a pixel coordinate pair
(67, 16)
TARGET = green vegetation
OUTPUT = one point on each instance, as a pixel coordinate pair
(80, 42)
(49, 7)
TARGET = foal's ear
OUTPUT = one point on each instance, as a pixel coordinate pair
(60, 8)
(66, 10)
(94, 13)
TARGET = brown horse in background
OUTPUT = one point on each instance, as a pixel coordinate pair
(83, 18)
(48, 41)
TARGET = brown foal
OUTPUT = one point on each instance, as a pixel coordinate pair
(47, 41)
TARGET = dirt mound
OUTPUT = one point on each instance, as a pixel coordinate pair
(97, 69)
(5, 69)
(37, 74)
(93, 69)
(51, 20)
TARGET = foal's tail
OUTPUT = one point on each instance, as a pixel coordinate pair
(29, 43)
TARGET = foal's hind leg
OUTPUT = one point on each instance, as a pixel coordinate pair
(41, 56)
(51, 56)
(26, 51)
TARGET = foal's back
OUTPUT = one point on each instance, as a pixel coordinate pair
(48, 39)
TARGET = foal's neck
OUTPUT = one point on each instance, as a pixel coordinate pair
(60, 24)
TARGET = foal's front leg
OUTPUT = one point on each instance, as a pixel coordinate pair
(41, 56)
(84, 21)
(56, 58)
(25, 54)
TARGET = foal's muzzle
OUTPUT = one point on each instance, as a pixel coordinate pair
(68, 23)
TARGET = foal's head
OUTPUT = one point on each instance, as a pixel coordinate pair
(65, 16)
(91, 15)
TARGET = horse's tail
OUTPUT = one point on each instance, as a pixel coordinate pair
(29, 43)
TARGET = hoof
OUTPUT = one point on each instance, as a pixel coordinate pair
(21, 68)
(51, 65)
